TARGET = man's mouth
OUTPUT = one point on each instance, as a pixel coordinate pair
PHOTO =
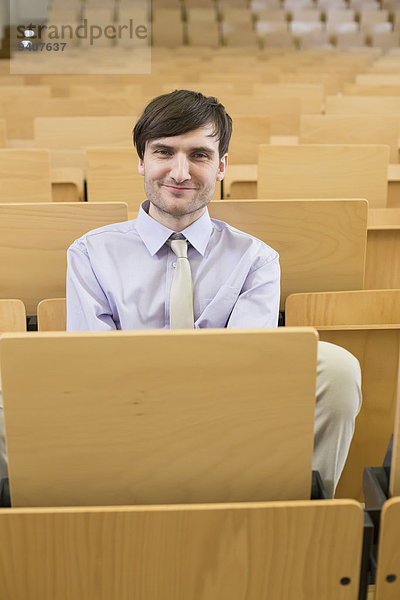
(176, 188)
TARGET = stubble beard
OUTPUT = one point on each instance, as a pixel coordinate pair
(200, 199)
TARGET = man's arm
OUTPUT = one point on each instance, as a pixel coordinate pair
(258, 302)
(87, 306)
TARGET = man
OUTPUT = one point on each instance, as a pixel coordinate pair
(129, 275)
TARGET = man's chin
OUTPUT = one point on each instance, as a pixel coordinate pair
(176, 210)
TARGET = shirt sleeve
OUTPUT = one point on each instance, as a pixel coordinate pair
(87, 305)
(258, 303)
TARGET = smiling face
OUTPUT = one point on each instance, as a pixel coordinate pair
(180, 174)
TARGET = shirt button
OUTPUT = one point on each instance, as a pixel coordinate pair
(174, 265)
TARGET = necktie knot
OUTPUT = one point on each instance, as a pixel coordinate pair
(178, 247)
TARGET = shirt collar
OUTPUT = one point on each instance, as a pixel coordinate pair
(154, 234)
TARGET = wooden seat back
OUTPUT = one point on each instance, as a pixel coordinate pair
(295, 228)
(363, 105)
(34, 239)
(68, 137)
(382, 265)
(311, 94)
(12, 316)
(324, 171)
(52, 314)
(25, 176)
(151, 443)
(351, 129)
(170, 553)
(248, 133)
(360, 307)
(283, 112)
(367, 323)
(388, 571)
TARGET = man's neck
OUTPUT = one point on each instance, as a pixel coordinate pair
(174, 223)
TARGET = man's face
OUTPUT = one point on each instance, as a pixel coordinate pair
(180, 172)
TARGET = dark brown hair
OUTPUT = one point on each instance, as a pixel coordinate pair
(179, 112)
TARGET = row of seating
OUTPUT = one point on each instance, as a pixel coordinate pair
(175, 26)
(337, 226)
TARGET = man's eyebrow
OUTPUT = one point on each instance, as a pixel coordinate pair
(160, 145)
(205, 149)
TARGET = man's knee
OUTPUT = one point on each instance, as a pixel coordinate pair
(339, 380)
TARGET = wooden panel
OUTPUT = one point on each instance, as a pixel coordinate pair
(224, 439)
(365, 105)
(394, 484)
(296, 228)
(82, 132)
(361, 89)
(378, 79)
(33, 242)
(330, 81)
(21, 114)
(377, 349)
(389, 552)
(12, 316)
(203, 34)
(361, 307)
(224, 551)
(311, 94)
(382, 267)
(67, 185)
(25, 176)
(3, 133)
(112, 175)
(283, 112)
(324, 171)
(22, 91)
(52, 315)
(104, 90)
(383, 218)
(351, 129)
(248, 133)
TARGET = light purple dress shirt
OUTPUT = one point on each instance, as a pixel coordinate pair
(119, 276)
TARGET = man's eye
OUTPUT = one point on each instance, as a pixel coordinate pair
(200, 155)
(162, 152)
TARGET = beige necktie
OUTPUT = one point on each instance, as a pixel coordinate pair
(181, 298)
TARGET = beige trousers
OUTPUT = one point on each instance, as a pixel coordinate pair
(338, 403)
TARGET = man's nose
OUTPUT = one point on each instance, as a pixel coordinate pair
(180, 168)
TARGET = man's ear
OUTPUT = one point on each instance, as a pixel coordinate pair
(140, 167)
(223, 163)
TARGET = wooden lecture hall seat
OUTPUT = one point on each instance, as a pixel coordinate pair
(382, 267)
(12, 315)
(52, 314)
(367, 323)
(311, 171)
(295, 228)
(352, 129)
(388, 571)
(177, 552)
(258, 447)
(28, 184)
(68, 137)
(33, 242)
